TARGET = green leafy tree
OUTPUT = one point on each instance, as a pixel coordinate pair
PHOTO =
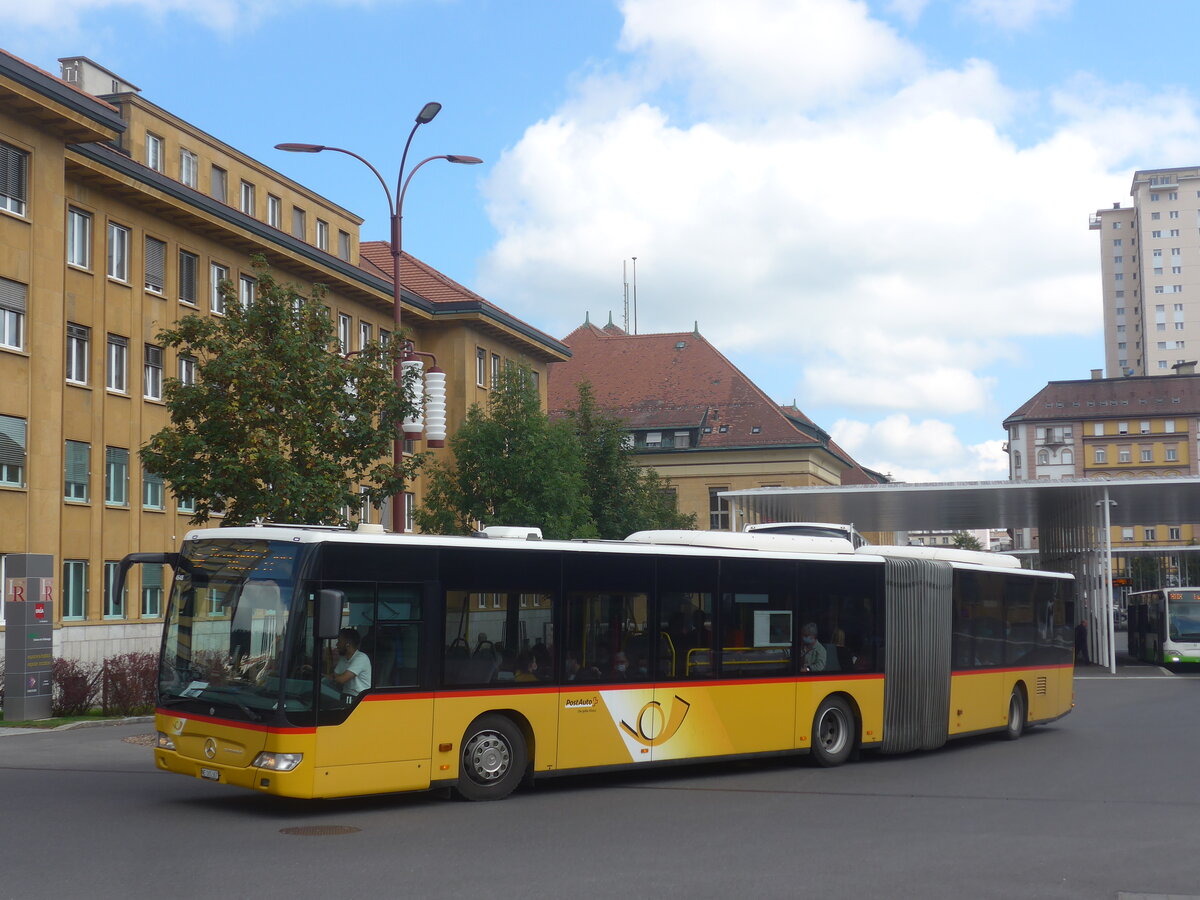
(624, 497)
(276, 425)
(512, 466)
(965, 541)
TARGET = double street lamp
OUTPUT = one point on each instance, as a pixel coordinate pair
(396, 212)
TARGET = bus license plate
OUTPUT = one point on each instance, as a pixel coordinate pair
(210, 774)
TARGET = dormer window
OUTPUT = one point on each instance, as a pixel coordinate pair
(756, 429)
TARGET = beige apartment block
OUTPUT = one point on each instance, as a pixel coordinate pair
(1150, 273)
(117, 218)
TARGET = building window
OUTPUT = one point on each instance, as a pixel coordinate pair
(118, 363)
(246, 291)
(14, 178)
(12, 451)
(1149, 534)
(79, 239)
(1144, 427)
(1171, 454)
(12, 314)
(385, 338)
(1100, 455)
(77, 470)
(480, 367)
(185, 505)
(1147, 455)
(247, 198)
(1169, 426)
(1043, 457)
(1127, 533)
(1068, 458)
(74, 588)
(154, 152)
(156, 265)
(344, 323)
(116, 476)
(1124, 456)
(78, 338)
(344, 245)
(219, 184)
(118, 252)
(1016, 454)
(1174, 533)
(189, 276)
(364, 335)
(1122, 428)
(152, 373)
(216, 299)
(274, 211)
(322, 235)
(299, 225)
(495, 371)
(189, 168)
(1098, 429)
(152, 591)
(114, 606)
(187, 371)
(152, 491)
(718, 510)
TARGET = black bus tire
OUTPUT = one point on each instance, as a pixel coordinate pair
(1016, 715)
(493, 759)
(833, 732)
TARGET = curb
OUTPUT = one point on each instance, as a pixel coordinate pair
(71, 726)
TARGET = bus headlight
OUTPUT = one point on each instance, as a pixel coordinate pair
(165, 742)
(278, 762)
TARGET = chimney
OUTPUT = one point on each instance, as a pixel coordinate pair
(93, 78)
(1185, 368)
(1097, 374)
(1116, 206)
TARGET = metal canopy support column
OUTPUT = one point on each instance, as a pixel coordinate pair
(1109, 617)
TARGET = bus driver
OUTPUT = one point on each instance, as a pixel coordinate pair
(352, 674)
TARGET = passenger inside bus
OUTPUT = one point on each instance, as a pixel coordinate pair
(813, 655)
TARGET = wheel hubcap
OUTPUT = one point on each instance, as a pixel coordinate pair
(487, 756)
(832, 733)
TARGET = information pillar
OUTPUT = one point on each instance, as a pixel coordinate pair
(28, 636)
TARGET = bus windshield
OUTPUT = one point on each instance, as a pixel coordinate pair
(1185, 620)
(224, 637)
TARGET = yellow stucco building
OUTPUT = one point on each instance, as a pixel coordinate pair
(117, 218)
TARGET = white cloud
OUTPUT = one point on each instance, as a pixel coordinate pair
(928, 450)
(891, 246)
(1014, 15)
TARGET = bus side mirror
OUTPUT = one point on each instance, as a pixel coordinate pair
(329, 614)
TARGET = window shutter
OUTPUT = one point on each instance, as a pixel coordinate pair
(152, 577)
(12, 441)
(14, 170)
(12, 295)
(187, 276)
(114, 456)
(156, 264)
(77, 462)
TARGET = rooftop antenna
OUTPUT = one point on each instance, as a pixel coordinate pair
(635, 331)
(625, 284)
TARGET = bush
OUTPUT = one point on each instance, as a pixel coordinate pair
(129, 684)
(76, 687)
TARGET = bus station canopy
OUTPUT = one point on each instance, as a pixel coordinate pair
(978, 504)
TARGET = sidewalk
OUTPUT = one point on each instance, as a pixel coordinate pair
(129, 720)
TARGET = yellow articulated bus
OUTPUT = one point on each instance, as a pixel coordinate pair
(309, 662)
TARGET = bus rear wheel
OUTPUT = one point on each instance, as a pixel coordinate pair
(832, 732)
(493, 758)
(1016, 715)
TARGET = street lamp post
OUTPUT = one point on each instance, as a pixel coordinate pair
(396, 213)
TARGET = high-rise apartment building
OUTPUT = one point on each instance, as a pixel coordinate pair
(1150, 265)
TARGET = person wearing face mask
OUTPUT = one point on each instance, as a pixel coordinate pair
(812, 651)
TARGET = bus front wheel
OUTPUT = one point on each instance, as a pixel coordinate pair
(832, 732)
(493, 758)
(1016, 715)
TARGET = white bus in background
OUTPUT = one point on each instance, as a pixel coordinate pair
(812, 529)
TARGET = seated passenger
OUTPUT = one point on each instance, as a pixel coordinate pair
(812, 651)
(526, 667)
(352, 674)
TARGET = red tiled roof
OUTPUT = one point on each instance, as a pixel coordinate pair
(674, 381)
(1112, 398)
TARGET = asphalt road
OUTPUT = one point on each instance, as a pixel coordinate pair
(1102, 804)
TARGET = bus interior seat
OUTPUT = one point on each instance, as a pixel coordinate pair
(832, 664)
